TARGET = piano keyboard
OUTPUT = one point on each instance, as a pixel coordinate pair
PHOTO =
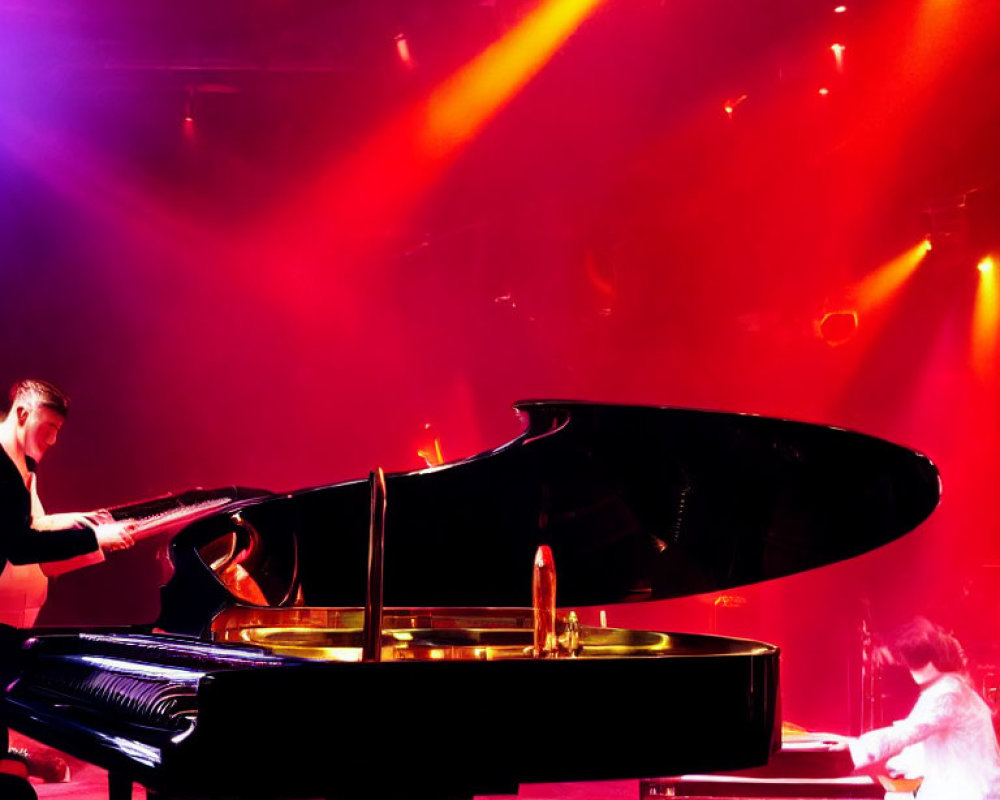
(150, 681)
(153, 515)
(154, 523)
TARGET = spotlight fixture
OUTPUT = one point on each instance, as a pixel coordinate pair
(430, 450)
(188, 122)
(731, 105)
(986, 319)
(838, 55)
(403, 50)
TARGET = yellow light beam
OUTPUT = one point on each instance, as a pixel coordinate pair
(460, 106)
(985, 317)
(875, 289)
(376, 185)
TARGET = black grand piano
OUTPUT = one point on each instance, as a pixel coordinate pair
(414, 634)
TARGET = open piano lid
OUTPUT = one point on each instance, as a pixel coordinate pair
(636, 502)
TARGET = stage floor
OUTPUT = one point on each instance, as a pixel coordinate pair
(91, 783)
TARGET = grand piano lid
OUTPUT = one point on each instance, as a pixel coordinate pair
(636, 502)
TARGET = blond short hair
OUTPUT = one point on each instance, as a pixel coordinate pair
(34, 392)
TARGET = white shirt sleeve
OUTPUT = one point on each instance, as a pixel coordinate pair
(933, 712)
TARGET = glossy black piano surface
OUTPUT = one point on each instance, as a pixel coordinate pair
(192, 720)
(251, 686)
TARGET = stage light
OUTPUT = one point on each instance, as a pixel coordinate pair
(730, 105)
(840, 9)
(188, 123)
(986, 320)
(837, 327)
(838, 55)
(877, 287)
(381, 181)
(430, 451)
(868, 294)
(460, 106)
(403, 50)
(824, 91)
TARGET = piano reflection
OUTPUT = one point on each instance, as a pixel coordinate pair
(413, 634)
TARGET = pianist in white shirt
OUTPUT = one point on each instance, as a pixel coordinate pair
(948, 738)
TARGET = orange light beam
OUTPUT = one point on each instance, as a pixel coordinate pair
(368, 191)
(463, 103)
(876, 288)
(985, 319)
(432, 456)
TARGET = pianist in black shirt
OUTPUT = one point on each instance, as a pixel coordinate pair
(29, 427)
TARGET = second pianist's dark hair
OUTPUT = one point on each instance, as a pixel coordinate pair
(921, 642)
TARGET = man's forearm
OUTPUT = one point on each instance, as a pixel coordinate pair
(57, 522)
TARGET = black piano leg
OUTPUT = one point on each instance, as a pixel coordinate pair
(119, 787)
